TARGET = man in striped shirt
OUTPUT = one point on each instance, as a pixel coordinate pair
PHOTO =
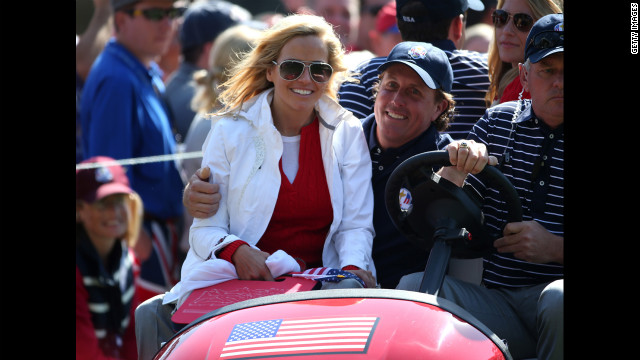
(441, 23)
(521, 297)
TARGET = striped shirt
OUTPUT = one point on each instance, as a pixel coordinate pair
(470, 85)
(531, 155)
(110, 289)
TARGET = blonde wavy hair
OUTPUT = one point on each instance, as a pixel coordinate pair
(135, 216)
(248, 77)
(228, 48)
(502, 73)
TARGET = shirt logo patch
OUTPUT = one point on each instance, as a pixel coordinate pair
(559, 27)
(406, 200)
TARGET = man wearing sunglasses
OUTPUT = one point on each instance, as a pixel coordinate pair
(441, 23)
(522, 293)
(124, 117)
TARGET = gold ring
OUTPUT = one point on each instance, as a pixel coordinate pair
(463, 145)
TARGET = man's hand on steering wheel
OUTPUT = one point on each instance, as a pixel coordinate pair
(466, 157)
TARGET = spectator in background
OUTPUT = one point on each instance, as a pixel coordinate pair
(203, 21)
(385, 35)
(441, 23)
(88, 46)
(108, 217)
(478, 37)
(484, 16)
(170, 60)
(512, 21)
(344, 15)
(368, 12)
(123, 117)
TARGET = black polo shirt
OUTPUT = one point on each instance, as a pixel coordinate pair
(393, 254)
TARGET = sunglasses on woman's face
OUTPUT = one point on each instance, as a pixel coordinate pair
(291, 70)
(156, 14)
(522, 22)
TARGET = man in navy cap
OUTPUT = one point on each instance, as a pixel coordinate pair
(441, 23)
(522, 293)
(412, 105)
(203, 22)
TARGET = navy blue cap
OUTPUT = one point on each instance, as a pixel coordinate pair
(439, 9)
(546, 37)
(205, 20)
(431, 63)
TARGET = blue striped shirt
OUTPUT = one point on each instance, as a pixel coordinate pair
(470, 85)
(531, 147)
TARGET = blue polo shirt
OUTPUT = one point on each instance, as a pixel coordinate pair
(531, 155)
(470, 85)
(123, 116)
(393, 254)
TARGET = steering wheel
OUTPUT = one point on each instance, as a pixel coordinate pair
(418, 201)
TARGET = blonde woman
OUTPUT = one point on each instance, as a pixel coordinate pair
(108, 218)
(512, 21)
(293, 168)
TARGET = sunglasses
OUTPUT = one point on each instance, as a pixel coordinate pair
(547, 40)
(156, 14)
(522, 22)
(291, 70)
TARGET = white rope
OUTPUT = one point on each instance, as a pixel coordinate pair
(141, 160)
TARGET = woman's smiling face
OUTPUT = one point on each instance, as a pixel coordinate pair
(299, 95)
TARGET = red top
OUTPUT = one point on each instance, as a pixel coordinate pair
(303, 213)
(512, 91)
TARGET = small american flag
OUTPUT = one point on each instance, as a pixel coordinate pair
(306, 336)
(327, 274)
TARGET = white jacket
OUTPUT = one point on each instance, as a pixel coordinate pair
(242, 151)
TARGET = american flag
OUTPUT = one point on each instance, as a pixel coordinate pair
(305, 336)
(327, 274)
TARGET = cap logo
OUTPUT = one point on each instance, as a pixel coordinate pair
(408, 19)
(417, 52)
(103, 175)
(559, 27)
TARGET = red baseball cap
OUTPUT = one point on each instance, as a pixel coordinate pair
(96, 183)
(386, 18)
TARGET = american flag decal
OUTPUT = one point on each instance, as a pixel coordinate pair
(307, 336)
